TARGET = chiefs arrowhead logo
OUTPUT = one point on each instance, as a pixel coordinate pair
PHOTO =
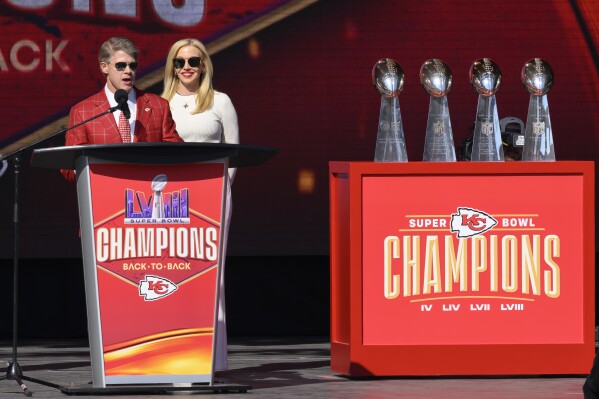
(471, 222)
(154, 287)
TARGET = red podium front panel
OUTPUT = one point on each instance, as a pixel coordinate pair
(462, 268)
(151, 217)
(156, 240)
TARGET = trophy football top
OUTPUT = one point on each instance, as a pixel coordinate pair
(537, 76)
(485, 77)
(159, 182)
(436, 77)
(388, 77)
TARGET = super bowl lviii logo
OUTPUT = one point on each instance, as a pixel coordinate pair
(159, 207)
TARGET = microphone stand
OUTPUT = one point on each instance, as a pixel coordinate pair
(14, 371)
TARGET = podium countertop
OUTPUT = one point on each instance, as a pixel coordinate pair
(240, 155)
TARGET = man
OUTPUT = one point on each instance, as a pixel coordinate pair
(590, 388)
(150, 118)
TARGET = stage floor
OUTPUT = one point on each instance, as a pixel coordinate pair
(279, 368)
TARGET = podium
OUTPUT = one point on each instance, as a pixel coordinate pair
(465, 268)
(151, 217)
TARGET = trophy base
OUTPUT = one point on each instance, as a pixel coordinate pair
(538, 137)
(438, 142)
(487, 144)
(390, 143)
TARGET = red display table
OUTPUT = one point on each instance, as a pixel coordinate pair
(462, 268)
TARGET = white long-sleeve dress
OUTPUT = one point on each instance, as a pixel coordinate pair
(216, 125)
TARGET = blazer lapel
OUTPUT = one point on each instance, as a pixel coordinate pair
(108, 123)
(144, 113)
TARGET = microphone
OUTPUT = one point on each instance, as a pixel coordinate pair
(121, 96)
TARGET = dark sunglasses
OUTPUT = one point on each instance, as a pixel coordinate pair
(120, 66)
(193, 62)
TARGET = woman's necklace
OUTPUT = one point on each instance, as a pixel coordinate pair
(187, 97)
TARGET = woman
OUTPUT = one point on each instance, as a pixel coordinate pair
(202, 114)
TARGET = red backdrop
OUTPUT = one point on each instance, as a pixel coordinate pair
(301, 84)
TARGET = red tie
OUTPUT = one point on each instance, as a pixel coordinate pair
(124, 129)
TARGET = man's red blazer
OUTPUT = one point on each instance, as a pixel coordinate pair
(154, 122)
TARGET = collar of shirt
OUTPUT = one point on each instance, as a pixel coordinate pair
(131, 102)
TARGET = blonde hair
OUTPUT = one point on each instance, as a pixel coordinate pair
(114, 44)
(205, 96)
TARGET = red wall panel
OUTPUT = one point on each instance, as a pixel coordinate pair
(303, 85)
